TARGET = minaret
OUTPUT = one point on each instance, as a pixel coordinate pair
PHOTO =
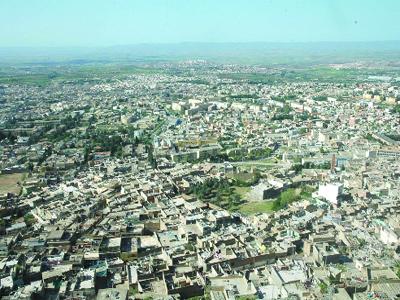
(333, 163)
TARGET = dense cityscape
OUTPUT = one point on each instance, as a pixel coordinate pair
(191, 179)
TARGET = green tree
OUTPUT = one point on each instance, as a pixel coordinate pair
(29, 219)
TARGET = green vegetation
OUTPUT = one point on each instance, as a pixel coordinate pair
(102, 203)
(228, 194)
(306, 191)
(126, 256)
(285, 198)
(302, 130)
(396, 109)
(283, 98)
(252, 297)
(150, 155)
(242, 191)
(108, 139)
(29, 219)
(107, 142)
(245, 179)
(132, 291)
(313, 73)
(243, 155)
(219, 192)
(210, 188)
(61, 132)
(47, 153)
(240, 155)
(397, 269)
(394, 137)
(8, 135)
(308, 165)
(323, 287)
(250, 96)
(190, 247)
(259, 154)
(320, 98)
(29, 79)
(283, 114)
(251, 208)
(303, 116)
(280, 117)
(75, 74)
(197, 142)
(194, 81)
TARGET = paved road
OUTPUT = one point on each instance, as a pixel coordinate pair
(255, 163)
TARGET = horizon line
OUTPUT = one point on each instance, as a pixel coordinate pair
(198, 42)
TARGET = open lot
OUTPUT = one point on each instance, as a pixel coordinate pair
(9, 183)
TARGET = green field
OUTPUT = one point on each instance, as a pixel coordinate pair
(313, 73)
(252, 208)
(281, 202)
(241, 176)
(242, 191)
(76, 74)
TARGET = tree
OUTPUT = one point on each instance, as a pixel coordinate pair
(320, 98)
(398, 269)
(285, 198)
(86, 154)
(29, 219)
(323, 287)
(45, 155)
(396, 109)
(30, 167)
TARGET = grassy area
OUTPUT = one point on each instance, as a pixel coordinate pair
(252, 208)
(197, 142)
(284, 200)
(242, 191)
(306, 192)
(9, 183)
(320, 73)
(270, 160)
(242, 176)
(93, 73)
(230, 195)
(218, 192)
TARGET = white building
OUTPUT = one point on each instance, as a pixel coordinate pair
(389, 236)
(331, 192)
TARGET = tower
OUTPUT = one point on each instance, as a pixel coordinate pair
(333, 163)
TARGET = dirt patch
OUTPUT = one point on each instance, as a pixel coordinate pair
(11, 183)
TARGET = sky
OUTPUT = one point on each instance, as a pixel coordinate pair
(99, 23)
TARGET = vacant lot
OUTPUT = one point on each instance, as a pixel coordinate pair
(9, 183)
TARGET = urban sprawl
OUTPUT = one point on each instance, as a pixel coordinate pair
(199, 180)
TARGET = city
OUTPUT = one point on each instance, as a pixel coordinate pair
(203, 150)
(206, 184)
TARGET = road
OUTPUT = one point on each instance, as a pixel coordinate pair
(254, 163)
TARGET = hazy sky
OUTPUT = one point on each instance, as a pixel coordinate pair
(120, 22)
